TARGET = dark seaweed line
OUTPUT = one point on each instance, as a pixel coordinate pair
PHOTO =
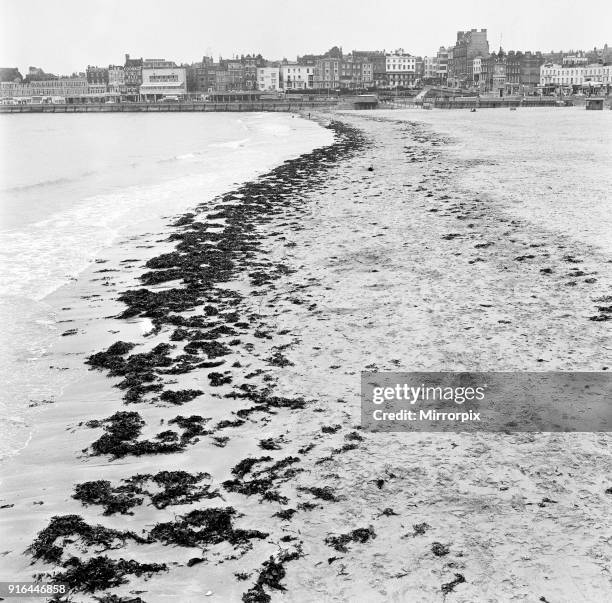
(207, 254)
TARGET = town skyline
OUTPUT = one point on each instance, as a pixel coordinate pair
(192, 30)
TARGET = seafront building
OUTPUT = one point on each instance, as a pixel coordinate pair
(133, 77)
(57, 89)
(466, 65)
(268, 78)
(163, 82)
(469, 45)
(116, 80)
(573, 77)
(401, 69)
(294, 76)
(507, 73)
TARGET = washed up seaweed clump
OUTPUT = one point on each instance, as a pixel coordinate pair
(71, 528)
(264, 482)
(121, 438)
(270, 576)
(204, 527)
(341, 541)
(139, 371)
(164, 489)
(102, 573)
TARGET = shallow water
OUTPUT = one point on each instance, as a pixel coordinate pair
(70, 185)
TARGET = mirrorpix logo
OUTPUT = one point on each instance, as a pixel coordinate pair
(395, 397)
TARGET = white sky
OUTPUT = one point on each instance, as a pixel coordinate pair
(63, 36)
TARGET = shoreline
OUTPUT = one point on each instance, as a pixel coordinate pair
(361, 295)
(153, 203)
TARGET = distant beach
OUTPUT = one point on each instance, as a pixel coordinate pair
(205, 439)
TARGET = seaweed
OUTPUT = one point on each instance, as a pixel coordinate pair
(192, 426)
(449, 587)
(325, 493)
(62, 526)
(264, 481)
(270, 444)
(180, 396)
(341, 541)
(113, 500)
(122, 430)
(218, 379)
(270, 575)
(102, 573)
(215, 527)
(330, 428)
(439, 549)
(285, 514)
(180, 488)
(420, 528)
(176, 488)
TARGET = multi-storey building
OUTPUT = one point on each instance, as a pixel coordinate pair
(530, 70)
(469, 45)
(400, 69)
(201, 77)
(251, 64)
(327, 73)
(69, 88)
(356, 73)
(379, 65)
(163, 81)
(442, 64)
(478, 76)
(510, 73)
(235, 75)
(268, 78)
(96, 75)
(133, 77)
(555, 76)
(116, 79)
(297, 77)
(430, 69)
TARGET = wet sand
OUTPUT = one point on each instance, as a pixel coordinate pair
(267, 307)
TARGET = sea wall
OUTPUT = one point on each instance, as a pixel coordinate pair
(167, 107)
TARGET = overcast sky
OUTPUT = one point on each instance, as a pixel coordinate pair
(63, 36)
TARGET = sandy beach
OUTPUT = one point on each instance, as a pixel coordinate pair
(215, 421)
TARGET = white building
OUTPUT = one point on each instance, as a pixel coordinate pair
(62, 87)
(400, 61)
(430, 68)
(400, 68)
(163, 81)
(442, 63)
(572, 75)
(116, 79)
(297, 77)
(268, 78)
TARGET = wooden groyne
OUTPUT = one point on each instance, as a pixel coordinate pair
(170, 107)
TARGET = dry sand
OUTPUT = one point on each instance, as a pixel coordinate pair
(370, 280)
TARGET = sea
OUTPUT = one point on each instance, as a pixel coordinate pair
(72, 185)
